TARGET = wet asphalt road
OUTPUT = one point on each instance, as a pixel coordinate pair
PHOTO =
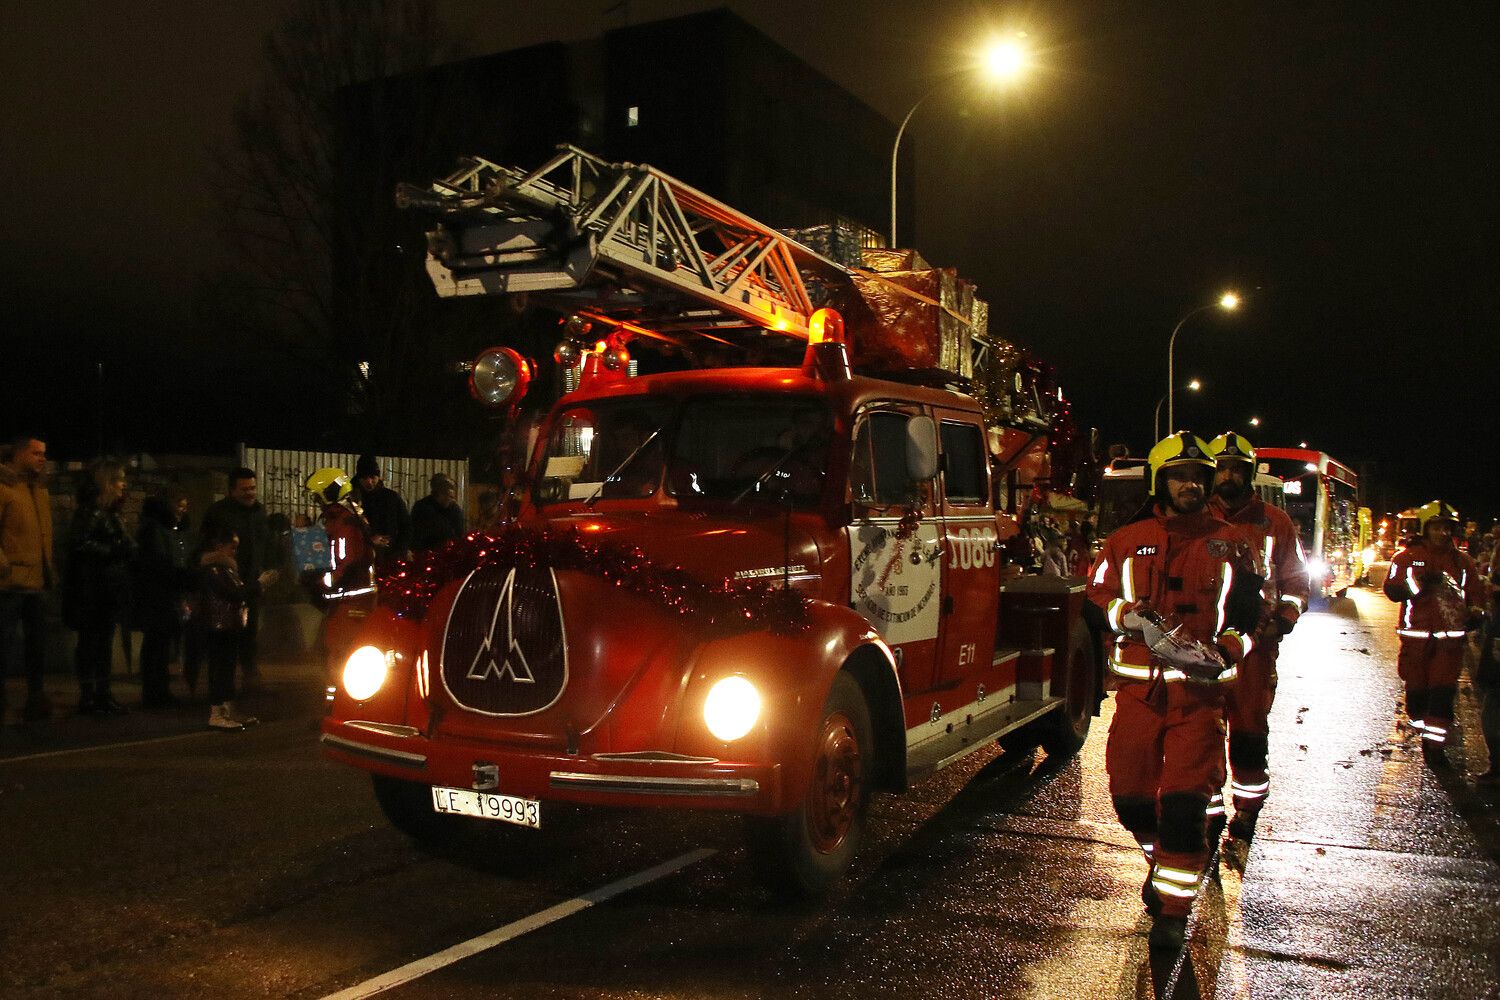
(244, 866)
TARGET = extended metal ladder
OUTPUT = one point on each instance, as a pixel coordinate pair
(619, 242)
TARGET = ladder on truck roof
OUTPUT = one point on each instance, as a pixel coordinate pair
(622, 243)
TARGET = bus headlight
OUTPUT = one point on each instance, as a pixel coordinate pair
(731, 708)
(365, 671)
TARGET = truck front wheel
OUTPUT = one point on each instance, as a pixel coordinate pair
(805, 851)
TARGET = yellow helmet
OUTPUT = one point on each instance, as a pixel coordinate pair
(1436, 510)
(1181, 448)
(329, 485)
(1232, 447)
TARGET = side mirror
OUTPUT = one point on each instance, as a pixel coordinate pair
(921, 449)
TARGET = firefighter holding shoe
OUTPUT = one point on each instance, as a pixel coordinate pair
(1176, 588)
(1275, 545)
(1442, 597)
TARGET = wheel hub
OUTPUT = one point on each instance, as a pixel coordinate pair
(837, 785)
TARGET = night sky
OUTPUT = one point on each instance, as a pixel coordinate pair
(1332, 162)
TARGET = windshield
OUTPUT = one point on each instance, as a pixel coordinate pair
(591, 447)
(708, 447)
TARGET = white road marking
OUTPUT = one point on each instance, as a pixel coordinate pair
(108, 746)
(510, 931)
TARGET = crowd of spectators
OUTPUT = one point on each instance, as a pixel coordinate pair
(195, 596)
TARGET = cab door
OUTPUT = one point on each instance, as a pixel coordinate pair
(970, 570)
(895, 544)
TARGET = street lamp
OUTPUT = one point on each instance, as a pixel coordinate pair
(1004, 61)
(1228, 302)
(1193, 386)
(1255, 421)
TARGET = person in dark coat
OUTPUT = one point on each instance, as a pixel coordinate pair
(437, 519)
(390, 524)
(243, 514)
(163, 577)
(96, 582)
(222, 606)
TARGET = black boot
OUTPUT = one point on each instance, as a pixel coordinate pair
(1168, 934)
(1434, 755)
(1242, 827)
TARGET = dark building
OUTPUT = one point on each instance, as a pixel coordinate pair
(706, 98)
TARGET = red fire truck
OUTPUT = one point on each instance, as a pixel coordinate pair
(773, 589)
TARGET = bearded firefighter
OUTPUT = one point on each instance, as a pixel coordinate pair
(1277, 549)
(1442, 596)
(1173, 586)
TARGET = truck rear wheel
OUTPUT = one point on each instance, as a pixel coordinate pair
(1064, 730)
(408, 807)
(806, 851)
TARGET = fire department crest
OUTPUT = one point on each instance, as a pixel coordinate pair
(503, 650)
(1218, 548)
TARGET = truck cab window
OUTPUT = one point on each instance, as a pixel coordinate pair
(963, 463)
(878, 474)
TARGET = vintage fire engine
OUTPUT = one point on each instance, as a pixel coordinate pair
(843, 523)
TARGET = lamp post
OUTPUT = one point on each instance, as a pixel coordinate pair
(1193, 386)
(1002, 62)
(1255, 421)
(1228, 302)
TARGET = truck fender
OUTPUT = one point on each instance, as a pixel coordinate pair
(794, 670)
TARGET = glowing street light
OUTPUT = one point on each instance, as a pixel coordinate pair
(1005, 61)
(1228, 302)
(1255, 421)
(1193, 386)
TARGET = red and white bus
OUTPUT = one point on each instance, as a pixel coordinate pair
(1322, 497)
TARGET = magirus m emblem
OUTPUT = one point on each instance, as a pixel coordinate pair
(503, 648)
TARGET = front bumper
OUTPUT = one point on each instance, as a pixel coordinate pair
(641, 779)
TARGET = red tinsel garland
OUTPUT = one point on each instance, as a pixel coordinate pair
(410, 587)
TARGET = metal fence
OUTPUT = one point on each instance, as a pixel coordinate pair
(281, 474)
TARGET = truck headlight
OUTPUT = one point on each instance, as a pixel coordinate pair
(731, 709)
(365, 671)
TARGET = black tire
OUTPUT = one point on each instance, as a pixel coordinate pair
(1064, 730)
(408, 807)
(803, 853)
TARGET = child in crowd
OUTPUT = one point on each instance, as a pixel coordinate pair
(222, 610)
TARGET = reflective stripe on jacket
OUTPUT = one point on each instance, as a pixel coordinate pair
(1431, 610)
(1183, 565)
(1277, 548)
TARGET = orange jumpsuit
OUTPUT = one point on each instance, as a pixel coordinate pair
(1277, 549)
(1438, 590)
(1165, 754)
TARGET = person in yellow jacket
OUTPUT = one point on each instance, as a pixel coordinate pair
(26, 569)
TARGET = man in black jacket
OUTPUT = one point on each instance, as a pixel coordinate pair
(241, 513)
(390, 524)
(437, 519)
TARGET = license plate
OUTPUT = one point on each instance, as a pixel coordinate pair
(488, 805)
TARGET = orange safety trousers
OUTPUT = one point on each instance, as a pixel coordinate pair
(1249, 711)
(1165, 758)
(1429, 667)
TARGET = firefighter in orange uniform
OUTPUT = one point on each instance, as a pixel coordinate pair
(1442, 596)
(1176, 565)
(1277, 549)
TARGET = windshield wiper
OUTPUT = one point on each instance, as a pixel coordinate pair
(621, 467)
(765, 477)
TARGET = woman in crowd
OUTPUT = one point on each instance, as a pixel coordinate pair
(96, 582)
